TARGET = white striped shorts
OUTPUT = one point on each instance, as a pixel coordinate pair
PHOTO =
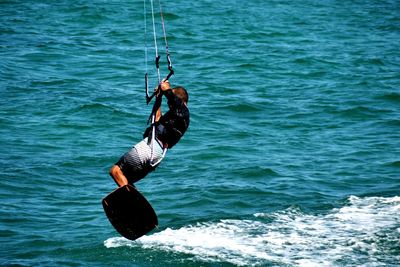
(135, 164)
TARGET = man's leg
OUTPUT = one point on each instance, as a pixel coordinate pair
(118, 176)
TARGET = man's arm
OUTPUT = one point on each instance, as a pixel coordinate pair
(164, 87)
(158, 114)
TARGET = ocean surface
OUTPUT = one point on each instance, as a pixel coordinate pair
(292, 157)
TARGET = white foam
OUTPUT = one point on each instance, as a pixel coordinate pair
(351, 234)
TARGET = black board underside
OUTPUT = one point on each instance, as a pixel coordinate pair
(129, 212)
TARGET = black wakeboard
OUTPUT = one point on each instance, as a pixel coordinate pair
(129, 212)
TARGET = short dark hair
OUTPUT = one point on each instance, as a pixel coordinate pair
(181, 92)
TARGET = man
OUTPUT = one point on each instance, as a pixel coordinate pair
(169, 128)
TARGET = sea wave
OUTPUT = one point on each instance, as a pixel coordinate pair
(362, 232)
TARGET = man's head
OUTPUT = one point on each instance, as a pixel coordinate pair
(181, 93)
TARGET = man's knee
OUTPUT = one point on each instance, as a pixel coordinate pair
(114, 170)
(118, 176)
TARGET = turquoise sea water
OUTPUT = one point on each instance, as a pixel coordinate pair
(292, 157)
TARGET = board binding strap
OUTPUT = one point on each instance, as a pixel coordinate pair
(129, 212)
